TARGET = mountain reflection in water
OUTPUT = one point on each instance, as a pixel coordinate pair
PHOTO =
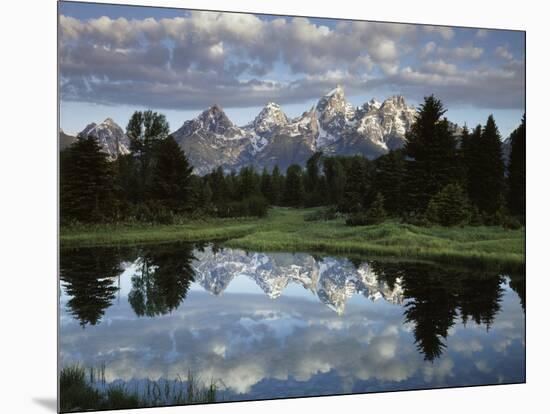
(283, 324)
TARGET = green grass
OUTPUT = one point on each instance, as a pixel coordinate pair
(77, 392)
(117, 234)
(285, 229)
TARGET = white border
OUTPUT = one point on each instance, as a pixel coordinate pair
(28, 203)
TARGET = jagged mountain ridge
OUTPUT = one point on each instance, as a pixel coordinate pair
(332, 125)
(332, 280)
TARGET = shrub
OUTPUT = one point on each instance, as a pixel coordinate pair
(502, 218)
(374, 215)
(416, 219)
(449, 207)
(476, 218)
(358, 219)
(511, 222)
(257, 206)
(323, 214)
(376, 212)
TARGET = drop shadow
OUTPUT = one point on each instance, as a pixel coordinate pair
(48, 403)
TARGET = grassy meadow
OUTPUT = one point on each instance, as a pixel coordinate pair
(286, 229)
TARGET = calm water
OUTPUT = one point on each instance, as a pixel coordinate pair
(267, 325)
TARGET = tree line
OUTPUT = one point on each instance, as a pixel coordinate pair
(436, 178)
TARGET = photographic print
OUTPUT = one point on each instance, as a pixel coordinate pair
(258, 206)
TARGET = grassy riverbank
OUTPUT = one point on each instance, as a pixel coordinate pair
(286, 230)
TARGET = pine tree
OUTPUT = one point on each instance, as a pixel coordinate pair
(278, 186)
(355, 187)
(516, 170)
(266, 186)
(249, 183)
(127, 177)
(205, 196)
(472, 153)
(219, 186)
(389, 180)
(86, 182)
(449, 207)
(294, 186)
(312, 172)
(170, 175)
(464, 154)
(376, 213)
(432, 150)
(231, 183)
(335, 177)
(490, 178)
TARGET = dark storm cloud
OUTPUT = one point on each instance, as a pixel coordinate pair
(240, 60)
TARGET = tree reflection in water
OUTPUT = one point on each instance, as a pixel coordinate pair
(435, 296)
(162, 281)
(89, 278)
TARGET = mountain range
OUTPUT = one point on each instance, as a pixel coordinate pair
(332, 125)
(332, 280)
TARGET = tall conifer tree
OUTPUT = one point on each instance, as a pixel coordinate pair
(516, 170)
(490, 178)
(170, 175)
(432, 151)
(294, 186)
(86, 182)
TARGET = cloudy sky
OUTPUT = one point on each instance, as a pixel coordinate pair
(117, 59)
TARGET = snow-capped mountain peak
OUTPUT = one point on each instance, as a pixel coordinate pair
(270, 118)
(333, 114)
(215, 120)
(110, 136)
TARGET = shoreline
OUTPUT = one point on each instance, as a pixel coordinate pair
(284, 229)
